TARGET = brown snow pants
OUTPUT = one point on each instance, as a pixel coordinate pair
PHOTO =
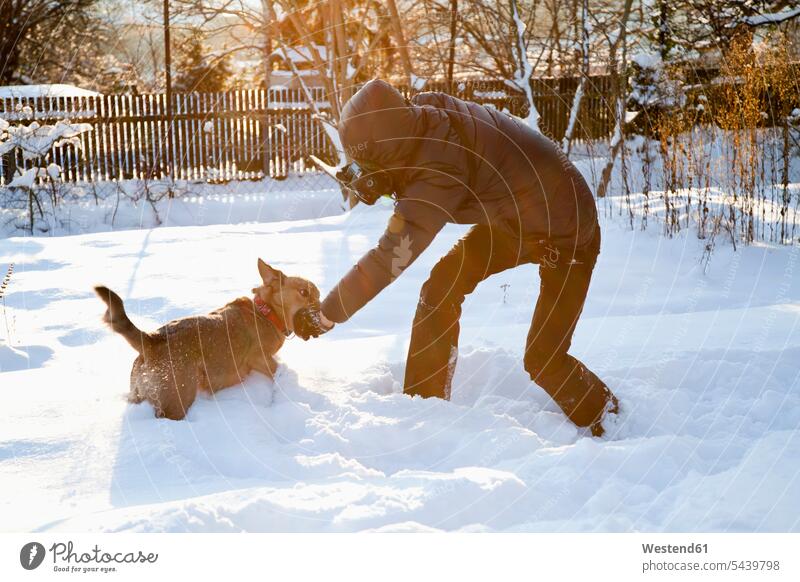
(565, 277)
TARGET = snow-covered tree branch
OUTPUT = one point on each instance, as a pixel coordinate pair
(524, 69)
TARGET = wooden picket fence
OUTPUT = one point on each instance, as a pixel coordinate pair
(553, 98)
(245, 134)
(215, 136)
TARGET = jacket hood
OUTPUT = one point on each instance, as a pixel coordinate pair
(378, 125)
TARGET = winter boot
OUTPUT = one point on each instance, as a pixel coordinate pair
(583, 397)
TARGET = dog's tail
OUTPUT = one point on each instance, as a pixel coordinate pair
(117, 319)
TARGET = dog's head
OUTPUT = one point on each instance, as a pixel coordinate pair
(294, 299)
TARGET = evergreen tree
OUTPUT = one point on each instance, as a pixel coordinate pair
(197, 70)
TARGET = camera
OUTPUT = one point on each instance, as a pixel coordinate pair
(368, 184)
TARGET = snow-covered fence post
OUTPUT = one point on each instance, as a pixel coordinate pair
(4, 125)
(524, 70)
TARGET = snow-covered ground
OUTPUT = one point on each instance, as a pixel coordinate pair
(705, 364)
(121, 205)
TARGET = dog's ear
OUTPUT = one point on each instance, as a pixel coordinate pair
(268, 274)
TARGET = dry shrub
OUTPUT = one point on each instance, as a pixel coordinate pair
(784, 97)
(723, 158)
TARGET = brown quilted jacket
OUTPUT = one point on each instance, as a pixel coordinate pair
(459, 162)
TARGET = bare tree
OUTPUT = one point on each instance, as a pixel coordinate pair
(566, 143)
(709, 26)
(524, 69)
(400, 39)
(617, 68)
(451, 48)
(268, 12)
(38, 34)
(431, 28)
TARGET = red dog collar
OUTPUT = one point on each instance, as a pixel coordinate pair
(267, 312)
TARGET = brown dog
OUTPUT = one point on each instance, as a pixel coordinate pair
(214, 351)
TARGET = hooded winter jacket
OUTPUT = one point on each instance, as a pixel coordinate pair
(458, 162)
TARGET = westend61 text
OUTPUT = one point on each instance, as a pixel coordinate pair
(672, 549)
(65, 553)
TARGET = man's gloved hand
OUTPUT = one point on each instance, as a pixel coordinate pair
(326, 323)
